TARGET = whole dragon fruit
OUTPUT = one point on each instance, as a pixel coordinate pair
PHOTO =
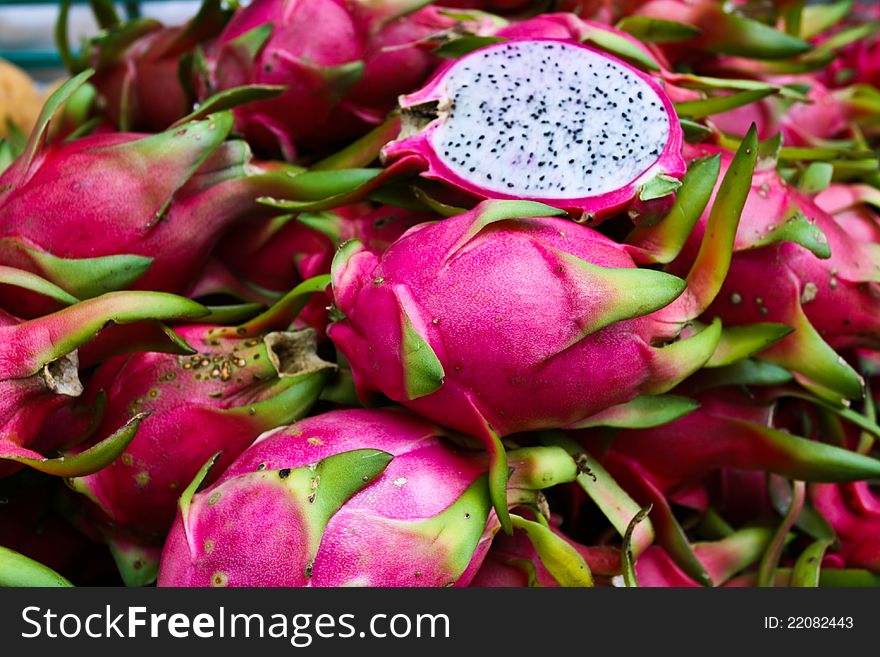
(140, 69)
(602, 135)
(219, 399)
(275, 42)
(119, 210)
(825, 280)
(39, 374)
(336, 87)
(356, 497)
(454, 322)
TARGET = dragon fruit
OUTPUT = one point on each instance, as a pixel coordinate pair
(218, 399)
(453, 322)
(482, 126)
(274, 42)
(730, 429)
(853, 511)
(138, 70)
(825, 280)
(398, 55)
(353, 497)
(718, 29)
(825, 115)
(337, 87)
(858, 62)
(723, 559)
(119, 210)
(39, 373)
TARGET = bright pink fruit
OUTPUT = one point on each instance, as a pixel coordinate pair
(275, 42)
(825, 280)
(858, 62)
(123, 210)
(722, 559)
(140, 85)
(358, 497)
(216, 400)
(39, 370)
(825, 116)
(490, 125)
(853, 510)
(337, 87)
(455, 322)
(397, 55)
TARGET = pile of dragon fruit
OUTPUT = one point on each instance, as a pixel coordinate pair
(494, 293)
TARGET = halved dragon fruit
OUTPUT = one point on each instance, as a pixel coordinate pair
(549, 120)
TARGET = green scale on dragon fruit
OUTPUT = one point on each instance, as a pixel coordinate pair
(352, 497)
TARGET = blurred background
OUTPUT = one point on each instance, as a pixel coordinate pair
(27, 28)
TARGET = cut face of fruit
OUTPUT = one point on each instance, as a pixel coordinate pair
(546, 120)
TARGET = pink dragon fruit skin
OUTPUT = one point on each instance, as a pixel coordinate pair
(852, 208)
(824, 117)
(398, 57)
(75, 194)
(858, 62)
(722, 559)
(352, 81)
(454, 322)
(38, 370)
(125, 210)
(219, 399)
(509, 369)
(428, 134)
(414, 515)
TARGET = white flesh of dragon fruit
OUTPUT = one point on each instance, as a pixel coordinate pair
(546, 120)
